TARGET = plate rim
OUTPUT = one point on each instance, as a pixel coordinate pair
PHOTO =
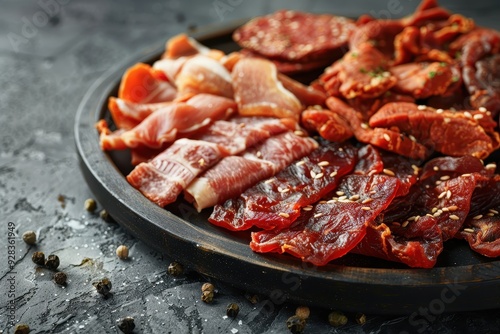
(97, 167)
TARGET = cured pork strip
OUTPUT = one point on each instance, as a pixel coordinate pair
(233, 175)
(333, 228)
(277, 201)
(258, 92)
(164, 177)
(127, 115)
(163, 126)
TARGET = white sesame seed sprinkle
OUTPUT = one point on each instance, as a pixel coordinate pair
(341, 198)
(477, 217)
(444, 177)
(447, 120)
(318, 176)
(453, 208)
(454, 217)
(491, 166)
(467, 114)
(340, 193)
(405, 223)
(268, 181)
(493, 211)
(388, 172)
(421, 107)
(435, 168)
(387, 137)
(434, 209)
(366, 208)
(367, 200)
(482, 109)
(354, 197)
(490, 214)
(364, 126)
(412, 138)
(448, 194)
(468, 230)
(478, 116)
(439, 111)
(323, 163)
(313, 174)
(299, 133)
(300, 163)
(307, 208)
(333, 174)
(317, 215)
(284, 215)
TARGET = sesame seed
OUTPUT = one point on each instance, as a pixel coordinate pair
(412, 218)
(317, 215)
(435, 168)
(478, 116)
(444, 177)
(491, 166)
(468, 230)
(354, 197)
(318, 176)
(340, 193)
(493, 211)
(439, 111)
(467, 114)
(341, 198)
(417, 218)
(364, 126)
(373, 192)
(415, 169)
(454, 217)
(453, 208)
(313, 174)
(201, 162)
(434, 209)
(445, 209)
(482, 109)
(307, 208)
(333, 174)
(300, 163)
(388, 172)
(283, 190)
(331, 201)
(477, 217)
(259, 154)
(448, 194)
(367, 200)
(421, 107)
(366, 208)
(466, 175)
(412, 138)
(490, 214)
(443, 194)
(268, 181)
(323, 202)
(438, 213)
(284, 215)
(438, 182)
(447, 120)
(405, 223)
(323, 163)
(387, 137)
(299, 133)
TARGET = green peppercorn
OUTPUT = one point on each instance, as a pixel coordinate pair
(126, 325)
(90, 205)
(103, 286)
(296, 324)
(60, 278)
(175, 269)
(38, 258)
(302, 312)
(104, 215)
(360, 318)
(21, 329)
(29, 237)
(207, 287)
(232, 310)
(337, 319)
(207, 296)
(52, 262)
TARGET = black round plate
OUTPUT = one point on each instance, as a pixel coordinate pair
(461, 281)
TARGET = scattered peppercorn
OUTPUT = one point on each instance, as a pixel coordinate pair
(126, 325)
(103, 286)
(104, 215)
(360, 318)
(122, 252)
(296, 324)
(38, 258)
(52, 262)
(302, 312)
(232, 310)
(207, 287)
(254, 299)
(29, 237)
(22, 329)
(207, 296)
(337, 319)
(175, 269)
(60, 278)
(90, 205)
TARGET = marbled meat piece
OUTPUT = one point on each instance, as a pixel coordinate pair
(277, 201)
(333, 228)
(258, 91)
(294, 35)
(233, 175)
(164, 177)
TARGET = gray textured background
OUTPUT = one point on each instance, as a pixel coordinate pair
(44, 73)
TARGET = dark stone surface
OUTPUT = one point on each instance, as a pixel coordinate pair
(47, 63)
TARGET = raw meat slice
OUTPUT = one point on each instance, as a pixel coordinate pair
(307, 95)
(333, 228)
(164, 177)
(126, 115)
(258, 92)
(233, 175)
(139, 85)
(277, 201)
(184, 46)
(294, 35)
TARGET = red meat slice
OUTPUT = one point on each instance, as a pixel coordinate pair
(126, 115)
(451, 133)
(332, 229)
(277, 202)
(327, 124)
(295, 36)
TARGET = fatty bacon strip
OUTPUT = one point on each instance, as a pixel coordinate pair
(277, 201)
(164, 177)
(234, 174)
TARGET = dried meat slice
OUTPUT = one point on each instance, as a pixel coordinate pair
(163, 178)
(258, 91)
(182, 45)
(126, 115)
(277, 201)
(233, 175)
(294, 35)
(332, 229)
(327, 124)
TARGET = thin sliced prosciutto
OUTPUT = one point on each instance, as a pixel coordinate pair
(127, 115)
(258, 91)
(332, 229)
(163, 126)
(233, 175)
(277, 201)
